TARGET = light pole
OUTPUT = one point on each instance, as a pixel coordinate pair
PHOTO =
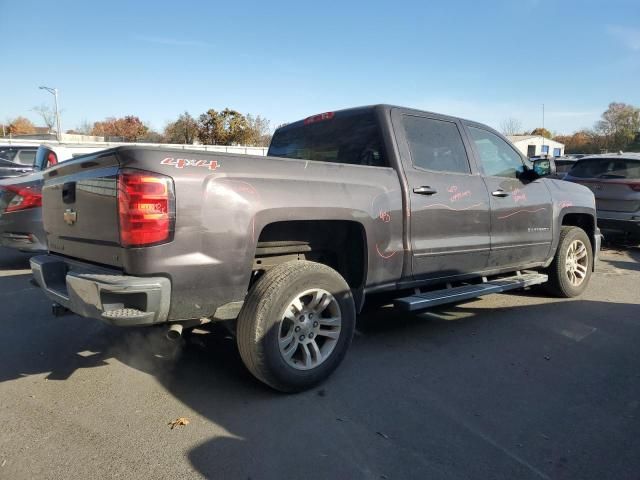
(54, 92)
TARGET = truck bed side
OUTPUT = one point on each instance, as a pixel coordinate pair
(225, 205)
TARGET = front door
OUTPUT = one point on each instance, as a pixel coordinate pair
(521, 211)
(449, 203)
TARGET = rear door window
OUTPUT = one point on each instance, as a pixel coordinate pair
(346, 137)
(26, 157)
(8, 153)
(435, 145)
(607, 168)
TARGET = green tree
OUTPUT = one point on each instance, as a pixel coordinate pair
(635, 145)
(230, 127)
(210, 129)
(235, 126)
(259, 131)
(183, 130)
(227, 127)
(619, 125)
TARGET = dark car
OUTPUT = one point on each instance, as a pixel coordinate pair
(9, 169)
(563, 165)
(615, 182)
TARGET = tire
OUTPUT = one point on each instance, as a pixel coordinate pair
(562, 283)
(280, 302)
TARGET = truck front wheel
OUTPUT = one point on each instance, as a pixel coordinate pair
(296, 325)
(570, 271)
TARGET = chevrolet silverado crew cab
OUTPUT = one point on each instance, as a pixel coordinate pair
(424, 207)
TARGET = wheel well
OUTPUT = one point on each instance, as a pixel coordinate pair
(338, 244)
(583, 221)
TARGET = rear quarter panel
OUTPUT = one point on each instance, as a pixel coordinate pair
(221, 209)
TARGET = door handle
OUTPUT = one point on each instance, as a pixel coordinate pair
(425, 190)
(69, 192)
(500, 193)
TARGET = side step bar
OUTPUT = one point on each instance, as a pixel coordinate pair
(420, 301)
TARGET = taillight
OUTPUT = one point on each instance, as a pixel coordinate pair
(23, 198)
(146, 207)
(319, 118)
(635, 187)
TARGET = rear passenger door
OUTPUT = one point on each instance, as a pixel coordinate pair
(521, 211)
(448, 201)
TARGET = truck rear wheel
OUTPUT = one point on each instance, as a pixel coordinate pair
(296, 325)
(570, 271)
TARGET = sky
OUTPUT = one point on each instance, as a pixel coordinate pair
(482, 60)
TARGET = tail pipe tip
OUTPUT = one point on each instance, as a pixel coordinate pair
(175, 332)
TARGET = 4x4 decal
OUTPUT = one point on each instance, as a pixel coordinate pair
(186, 162)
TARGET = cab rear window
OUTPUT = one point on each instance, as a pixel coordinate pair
(606, 168)
(342, 138)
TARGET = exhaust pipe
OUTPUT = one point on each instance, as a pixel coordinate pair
(175, 332)
(58, 310)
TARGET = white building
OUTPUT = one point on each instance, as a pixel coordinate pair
(535, 145)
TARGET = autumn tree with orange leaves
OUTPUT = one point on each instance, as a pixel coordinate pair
(20, 126)
(129, 128)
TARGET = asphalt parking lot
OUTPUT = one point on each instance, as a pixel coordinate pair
(512, 386)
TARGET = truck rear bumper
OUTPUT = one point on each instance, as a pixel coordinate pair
(103, 294)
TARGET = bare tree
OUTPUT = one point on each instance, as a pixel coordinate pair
(84, 127)
(511, 126)
(48, 116)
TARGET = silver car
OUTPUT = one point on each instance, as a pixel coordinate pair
(21, 199)
(615, 182)
(21, 213)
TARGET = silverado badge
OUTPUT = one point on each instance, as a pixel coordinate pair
(70, 216)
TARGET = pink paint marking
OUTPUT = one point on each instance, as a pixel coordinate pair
(452, 189)
(384, 216)
(565, 204)
(454, 209)
(460, 195)
(383, 255)
(521, 211)
(518, 195)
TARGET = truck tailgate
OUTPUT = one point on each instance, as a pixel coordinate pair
(80, 209)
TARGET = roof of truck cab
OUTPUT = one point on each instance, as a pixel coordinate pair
(379, 106)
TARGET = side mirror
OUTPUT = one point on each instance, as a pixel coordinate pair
(543, 167)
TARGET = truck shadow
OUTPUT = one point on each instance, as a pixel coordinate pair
(623, 256)
(13, 259)
(454, 392)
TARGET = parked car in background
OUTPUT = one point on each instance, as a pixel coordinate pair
(16, 160)
(21, 198)
(10, 169)
(615, 181)
(563, 165)
(21, 154)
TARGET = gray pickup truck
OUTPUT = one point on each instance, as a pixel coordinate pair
(347, 207)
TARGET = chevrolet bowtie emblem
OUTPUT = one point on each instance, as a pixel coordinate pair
(70, 216)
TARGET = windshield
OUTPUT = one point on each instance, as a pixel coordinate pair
(620, 168)
(344, 138)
